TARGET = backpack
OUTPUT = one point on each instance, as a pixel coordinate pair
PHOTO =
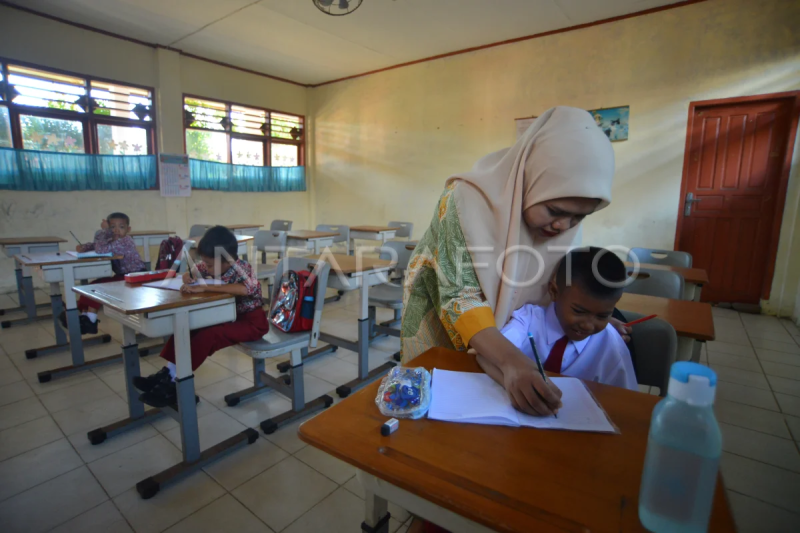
(169, 252)
(292, 307)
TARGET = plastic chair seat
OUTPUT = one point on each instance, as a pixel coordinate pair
(386, 296)
(267, 273)
(275, 343)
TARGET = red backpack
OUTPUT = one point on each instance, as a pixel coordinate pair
(292, 308)
(169, 252)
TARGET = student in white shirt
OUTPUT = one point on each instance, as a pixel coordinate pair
(575, 324)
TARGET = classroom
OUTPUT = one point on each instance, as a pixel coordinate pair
(275, 266)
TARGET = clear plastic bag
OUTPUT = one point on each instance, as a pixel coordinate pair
(405, 392)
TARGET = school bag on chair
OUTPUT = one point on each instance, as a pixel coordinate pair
(292, 307)
(169, 252)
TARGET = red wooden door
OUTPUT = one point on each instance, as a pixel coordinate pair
(733, 171)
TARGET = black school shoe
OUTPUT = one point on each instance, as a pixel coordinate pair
(146, 384)
(87, 326)
(162, 395)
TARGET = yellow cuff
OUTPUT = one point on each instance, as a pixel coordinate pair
(473, 321)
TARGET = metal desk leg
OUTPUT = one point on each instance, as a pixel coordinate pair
(27, 301)
(376, 513)
(18, 274)
(685, 348)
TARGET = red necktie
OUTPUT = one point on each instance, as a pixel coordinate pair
(553, 363)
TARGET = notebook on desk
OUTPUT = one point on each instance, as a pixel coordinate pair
(84, 255)
(175, 284)
(474, 398)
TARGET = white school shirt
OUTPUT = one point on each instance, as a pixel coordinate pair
(600, 357)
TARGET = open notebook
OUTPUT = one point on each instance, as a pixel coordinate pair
(474, 398)
(174, 284)
(83, 255)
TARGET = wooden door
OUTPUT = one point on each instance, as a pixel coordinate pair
(736, 153)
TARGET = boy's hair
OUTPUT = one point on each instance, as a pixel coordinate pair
(123, 216)
(218, 237)
(605, 281)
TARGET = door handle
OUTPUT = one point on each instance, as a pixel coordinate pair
(687, 205)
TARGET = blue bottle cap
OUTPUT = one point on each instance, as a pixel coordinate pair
(683, 369)
(692, 383)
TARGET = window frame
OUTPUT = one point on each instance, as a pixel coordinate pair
(266, 140)
(89, 119)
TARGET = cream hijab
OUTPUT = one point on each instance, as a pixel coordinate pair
(562, 154)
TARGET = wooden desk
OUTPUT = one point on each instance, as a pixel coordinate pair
(25, 292)
(694, 278)
(155, 313)
(372, 233)
(349, 273)
(411, 246)
(536, 480)
(146, 238)
(55, 268)
(310, 240)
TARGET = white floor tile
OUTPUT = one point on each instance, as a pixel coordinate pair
(341, 512)
(781, 370)
(765, 482)
(233, 360)
(21, 338)
(60, 383)
(37, 466)
(785, 347)
(761, 447)
(784, 385)
(746, 395)
(105, 518)
(90, 452)
(91, 415)
(27, 436)
(122, 470)
(65, 497)
(731, 334)
(284, 493)
(789, 404)
(245, 463)
(172, 504)
(753, 516)
(9, 375)
(778, 357)
(740, 349)
(210, 372)
(775, 333)
(354, 486)
(286, 437)
(727, 323)
(17, 413)
(14, 392)
(224, 514)
(794, 426)
(335, 371)
(745, 416)
(213, 429)
(721, 312)
(167, 423)
(742, 377)
(327, 465)
(75, 395)
(750, 364)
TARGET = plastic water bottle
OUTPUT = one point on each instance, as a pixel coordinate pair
(683, 450)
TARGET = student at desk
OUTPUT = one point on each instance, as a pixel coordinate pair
(573, 335)
(111, 238)
(217, 250)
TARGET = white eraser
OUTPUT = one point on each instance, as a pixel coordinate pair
(390, 427)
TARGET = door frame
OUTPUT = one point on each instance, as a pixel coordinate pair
(793, 97)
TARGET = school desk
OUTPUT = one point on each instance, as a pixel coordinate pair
(244, 229)
(55, 268)
(694, 278)
(156, 312)
(148, 238)
(243, 241)
(411, 246)
(310, 240)
(693, 321)
(470, 477)
(372, 233)
(349, 273)
(25, 291)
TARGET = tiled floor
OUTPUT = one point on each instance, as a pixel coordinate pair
(52, 479)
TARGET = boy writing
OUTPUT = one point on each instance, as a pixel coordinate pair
(217, 251)
(572, 334)
(112, 237)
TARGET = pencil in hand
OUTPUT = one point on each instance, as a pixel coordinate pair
(539, 366)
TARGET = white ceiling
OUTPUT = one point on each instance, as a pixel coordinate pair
(292, 39)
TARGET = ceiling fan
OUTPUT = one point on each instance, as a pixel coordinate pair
(337, 8)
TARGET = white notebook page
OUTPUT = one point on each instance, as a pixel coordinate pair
(175, 284)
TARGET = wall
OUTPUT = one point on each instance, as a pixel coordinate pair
(38, 40)
(385, 143)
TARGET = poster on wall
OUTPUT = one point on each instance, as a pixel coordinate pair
(613, 121)
(173, 173)
(523, 124)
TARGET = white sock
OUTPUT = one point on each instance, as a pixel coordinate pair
(92, 316)
(171, 367)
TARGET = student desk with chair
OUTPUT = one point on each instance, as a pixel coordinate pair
(693, 321)
(694, 278)
(371, 233)
(242, 240)
(25, 291)
(148, 238)
(155, 312)
(349, 273)
(244, 229)
(310, 240)
(479, 478)
(55, 268)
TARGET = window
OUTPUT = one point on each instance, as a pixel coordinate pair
(242, 135)
(43, 109)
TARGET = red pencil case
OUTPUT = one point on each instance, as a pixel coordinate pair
(153, 275)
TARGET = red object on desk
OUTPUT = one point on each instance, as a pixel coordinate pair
(153, 275)
(639, 321)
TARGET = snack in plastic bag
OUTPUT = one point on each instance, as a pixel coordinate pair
(405, 392)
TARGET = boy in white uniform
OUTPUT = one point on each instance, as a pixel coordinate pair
(572, 334)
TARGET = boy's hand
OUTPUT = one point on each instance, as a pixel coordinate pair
(622, 329)
(104, 224)
(521, 379)
(187, 278)
(79, 248)
(191, 289)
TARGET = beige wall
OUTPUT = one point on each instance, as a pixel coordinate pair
(385, 143)
(26, 37)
